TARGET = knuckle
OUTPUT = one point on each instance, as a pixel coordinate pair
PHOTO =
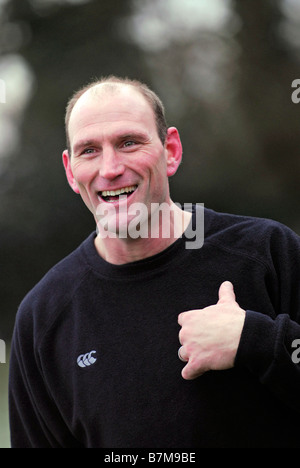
(182, 336)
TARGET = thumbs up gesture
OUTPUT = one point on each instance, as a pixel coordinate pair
(210, 336)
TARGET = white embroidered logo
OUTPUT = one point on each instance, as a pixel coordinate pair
(85, 360)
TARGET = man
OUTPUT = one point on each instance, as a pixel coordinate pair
(135, 340)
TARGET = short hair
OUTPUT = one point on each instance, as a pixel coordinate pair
(151, 97)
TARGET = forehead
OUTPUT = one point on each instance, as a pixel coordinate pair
(106, 106)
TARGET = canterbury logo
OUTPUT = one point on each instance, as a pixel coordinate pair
(85, 360)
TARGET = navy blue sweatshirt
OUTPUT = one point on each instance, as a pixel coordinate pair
(94, 355)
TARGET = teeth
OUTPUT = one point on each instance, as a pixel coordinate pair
(114, 193)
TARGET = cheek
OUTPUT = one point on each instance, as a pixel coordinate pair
(83, 173)
(84, 176)
(157, 180)
(152, 163)
(83, 179)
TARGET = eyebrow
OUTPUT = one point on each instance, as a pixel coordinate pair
(142, 137)
(83, 144)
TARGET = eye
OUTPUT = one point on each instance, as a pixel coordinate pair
(88, 152)
(129, 143)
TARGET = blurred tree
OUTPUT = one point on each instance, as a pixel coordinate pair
(41, 218)
(267, 69)
(227, 85)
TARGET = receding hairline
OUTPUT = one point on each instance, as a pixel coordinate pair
(104, 89)
(114, 84)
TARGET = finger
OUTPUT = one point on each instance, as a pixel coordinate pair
(181, 317)
(226, 292)
(181, 354)
(190, 372)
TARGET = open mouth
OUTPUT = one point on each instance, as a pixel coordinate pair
(110, 196)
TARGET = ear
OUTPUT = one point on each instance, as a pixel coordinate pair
(174, 151)
(69, 173)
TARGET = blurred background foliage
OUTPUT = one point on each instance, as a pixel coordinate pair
(224, 70)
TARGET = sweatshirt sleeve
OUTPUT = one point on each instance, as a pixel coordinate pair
(268, 345)
(35, 421)
(267, 349)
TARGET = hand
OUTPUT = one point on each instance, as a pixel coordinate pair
(210, 336)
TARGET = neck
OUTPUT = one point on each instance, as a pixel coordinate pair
(119, 250)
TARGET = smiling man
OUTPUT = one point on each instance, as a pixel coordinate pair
(116, 158)
(135, 340)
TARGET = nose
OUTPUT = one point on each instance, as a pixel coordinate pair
(111, 166)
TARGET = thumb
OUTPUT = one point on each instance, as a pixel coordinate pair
(226, 292)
